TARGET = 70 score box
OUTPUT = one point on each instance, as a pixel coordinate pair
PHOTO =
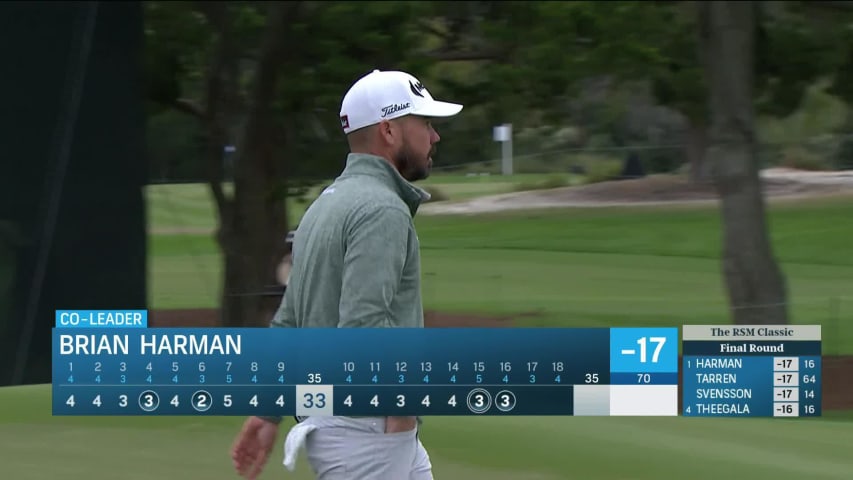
(110, 364)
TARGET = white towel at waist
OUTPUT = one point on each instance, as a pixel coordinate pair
(295, 441)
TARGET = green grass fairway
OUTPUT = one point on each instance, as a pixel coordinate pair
(182, 207)
(586, 267)
(37, 446)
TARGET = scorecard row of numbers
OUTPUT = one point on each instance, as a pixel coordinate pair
(426, 367)
(478, 378)
(97, 375)
(98, 367)
(348, 367)
(173, 375)
(149, 400)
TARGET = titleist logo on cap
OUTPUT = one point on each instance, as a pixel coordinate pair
(394, 108)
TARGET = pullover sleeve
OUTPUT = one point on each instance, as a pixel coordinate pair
(375, 251)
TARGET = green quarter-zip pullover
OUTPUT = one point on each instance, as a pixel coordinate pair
(356, 256)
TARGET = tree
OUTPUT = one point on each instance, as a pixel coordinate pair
(278, 98)
(757, 58)
(755, 284)
(267, 78)
(717, 81)
(566, 43)
(252, 220)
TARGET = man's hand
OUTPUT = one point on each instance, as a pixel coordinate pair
(252, 447)
(400, 424)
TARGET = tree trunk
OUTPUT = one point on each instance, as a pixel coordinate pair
(252, 220)
(253, 237)
(755, 284)
(248, 296)
(697, 146)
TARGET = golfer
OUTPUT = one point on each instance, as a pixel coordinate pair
(356, 263)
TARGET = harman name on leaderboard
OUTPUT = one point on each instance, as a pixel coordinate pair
(171, 344)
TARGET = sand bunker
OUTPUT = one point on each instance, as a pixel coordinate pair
(651, 190)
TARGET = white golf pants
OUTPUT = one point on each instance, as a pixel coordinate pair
(346, 448)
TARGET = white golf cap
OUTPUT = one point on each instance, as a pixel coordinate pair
(384, 95)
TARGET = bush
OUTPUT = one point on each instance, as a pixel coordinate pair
(547, 183)
(802, 159)
(844, 157)
(662, 162)
(436, 195)
(603, 171)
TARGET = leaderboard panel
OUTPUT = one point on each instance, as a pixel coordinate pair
(111, 363)
(752, 370)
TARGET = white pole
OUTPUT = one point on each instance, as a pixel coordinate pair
(503, 134)
(507, 150)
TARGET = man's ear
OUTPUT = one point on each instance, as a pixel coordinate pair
(387, 132)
